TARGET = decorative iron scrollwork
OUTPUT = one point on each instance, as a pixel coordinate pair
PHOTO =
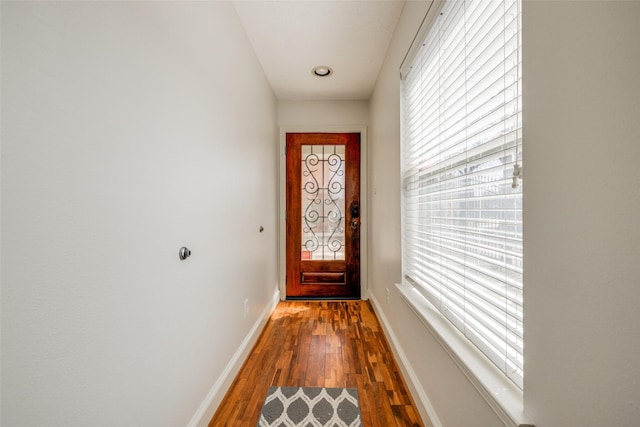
(323, 202)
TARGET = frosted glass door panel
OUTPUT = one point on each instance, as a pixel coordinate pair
(323, 205)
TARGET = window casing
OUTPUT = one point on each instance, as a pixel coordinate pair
(462, 162)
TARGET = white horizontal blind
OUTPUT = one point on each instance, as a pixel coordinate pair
(462, 135)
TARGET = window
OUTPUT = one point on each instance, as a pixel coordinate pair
(462, 158)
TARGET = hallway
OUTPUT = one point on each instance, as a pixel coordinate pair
(133, 129)
(322, 344)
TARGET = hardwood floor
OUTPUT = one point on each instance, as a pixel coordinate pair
(322, 344)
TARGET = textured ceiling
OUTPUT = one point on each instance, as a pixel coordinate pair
(291, 37)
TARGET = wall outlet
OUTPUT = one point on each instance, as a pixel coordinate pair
(386, 295)
(246, 307)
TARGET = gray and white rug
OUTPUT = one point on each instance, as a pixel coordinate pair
(310, 407)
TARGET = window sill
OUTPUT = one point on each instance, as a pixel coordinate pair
(504, 397)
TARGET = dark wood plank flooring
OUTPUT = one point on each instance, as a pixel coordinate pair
(322, 344)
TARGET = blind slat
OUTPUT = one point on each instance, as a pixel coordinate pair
(461, 218)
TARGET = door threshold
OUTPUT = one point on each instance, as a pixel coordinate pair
(322, 298)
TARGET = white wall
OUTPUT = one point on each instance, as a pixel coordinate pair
(315, 114)
(582, 207)
(582, 202)
(130, 129)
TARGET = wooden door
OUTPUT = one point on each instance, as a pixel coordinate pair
(323, 215)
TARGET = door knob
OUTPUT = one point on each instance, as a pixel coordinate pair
(184, 253)
(355, 210)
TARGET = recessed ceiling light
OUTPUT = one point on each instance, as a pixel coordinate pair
(322, 71)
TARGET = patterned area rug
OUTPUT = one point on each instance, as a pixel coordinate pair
(310, 407)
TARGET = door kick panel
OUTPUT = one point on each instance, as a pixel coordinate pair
(318, 278)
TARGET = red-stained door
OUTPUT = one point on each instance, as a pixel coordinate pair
(323, 215)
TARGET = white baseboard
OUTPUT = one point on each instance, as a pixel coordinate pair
(427, 412)
(208, 407)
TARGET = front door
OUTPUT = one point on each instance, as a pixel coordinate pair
(323, 215)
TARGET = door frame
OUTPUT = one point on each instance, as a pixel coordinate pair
(282, 201)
